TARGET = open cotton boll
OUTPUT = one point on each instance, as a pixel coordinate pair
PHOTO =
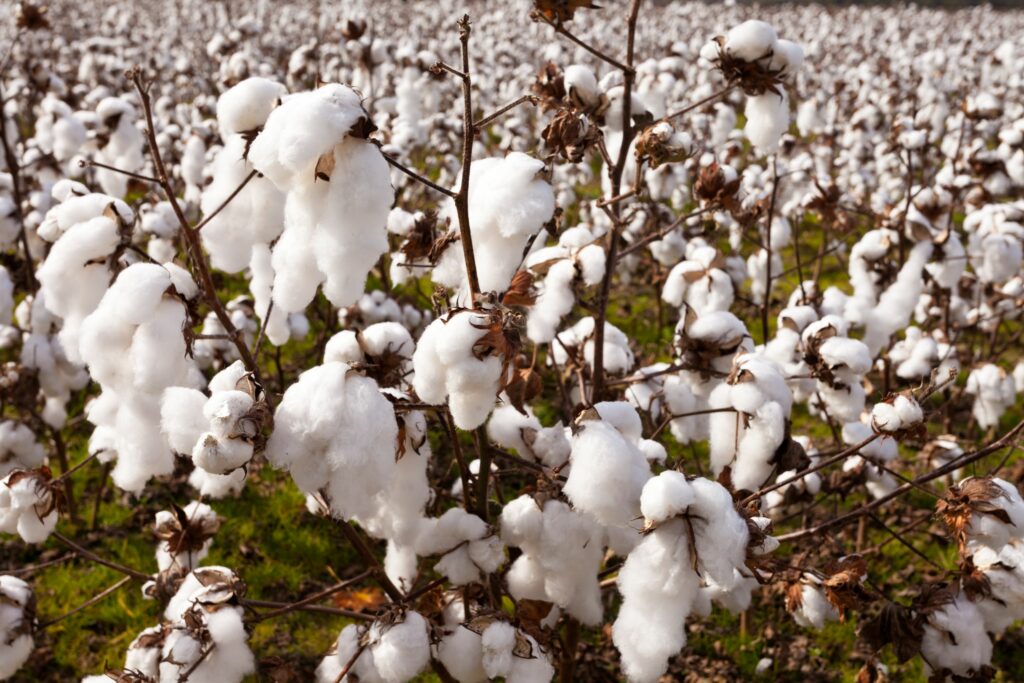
(562, 553)
(508, 202)
(335, 432)
(767, 119)
(178, 546)
(659, 589)
(16, 625)
(994, 392)
(700, 283)
(508, 428)
(338, 195)
(18, 448)
(751, 40)
(254, 216)
(466, 543)
(76, 275)
(955, 638)
(215, 652)
(896, 305)
(665, 496)
(988, 529)
(581, 85)
(447, 367)
(27, 507)
(618, 357)
(399, 651)
(811, 609)
(134, 347)
(246, 106)
(608, 473)
(1004, 570)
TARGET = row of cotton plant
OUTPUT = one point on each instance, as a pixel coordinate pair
(576, 332)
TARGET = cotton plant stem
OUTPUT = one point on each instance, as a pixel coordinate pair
(190, 234)
(315, 597)
(597, 387)
(468, 135)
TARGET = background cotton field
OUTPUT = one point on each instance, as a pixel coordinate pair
(523, 341)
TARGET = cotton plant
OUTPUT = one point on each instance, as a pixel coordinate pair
(135, 349)
(185, 535)
(524, 433)
(17, 624)
(124, 142)
(807, 602)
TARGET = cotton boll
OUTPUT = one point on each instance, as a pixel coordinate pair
(767, 119)
(27, 507)
(18, 448)
(751, 40)
(658, 589)
(955, 638)
(665, 496)
(246, 106)
(401, 651)
(508, 202)
(446, 366)
(581, 85)
(16, 625)
(814, 609)
(607, 474)
(994, 391)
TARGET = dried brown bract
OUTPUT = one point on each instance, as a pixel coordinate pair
(966, 499)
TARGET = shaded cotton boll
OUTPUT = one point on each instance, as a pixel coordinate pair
(134, 347)
(19, 449)
(581, 85)
(207, 635)
(217, 431)
(178, 534)
(77, 273)
(562, 553)
(17, 622)
(767, 119)
(124, 147)
(27, 506)
(1004, 570)
(988, 529)
(608, 472)
(699, 282)
(746, 440)
(809, 607)
(447, 367)
(576, 259)
(461, 652)
(394, 652)
(915, 355)
(994, 392)
(466, 543)
(339, 194)
(955, 638)
(618, 357)
(508, 428)
(508, 202)
(255, 216)
(336, 433)
(896, 305)
(659, 588)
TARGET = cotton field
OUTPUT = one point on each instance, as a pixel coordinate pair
(381, 341)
